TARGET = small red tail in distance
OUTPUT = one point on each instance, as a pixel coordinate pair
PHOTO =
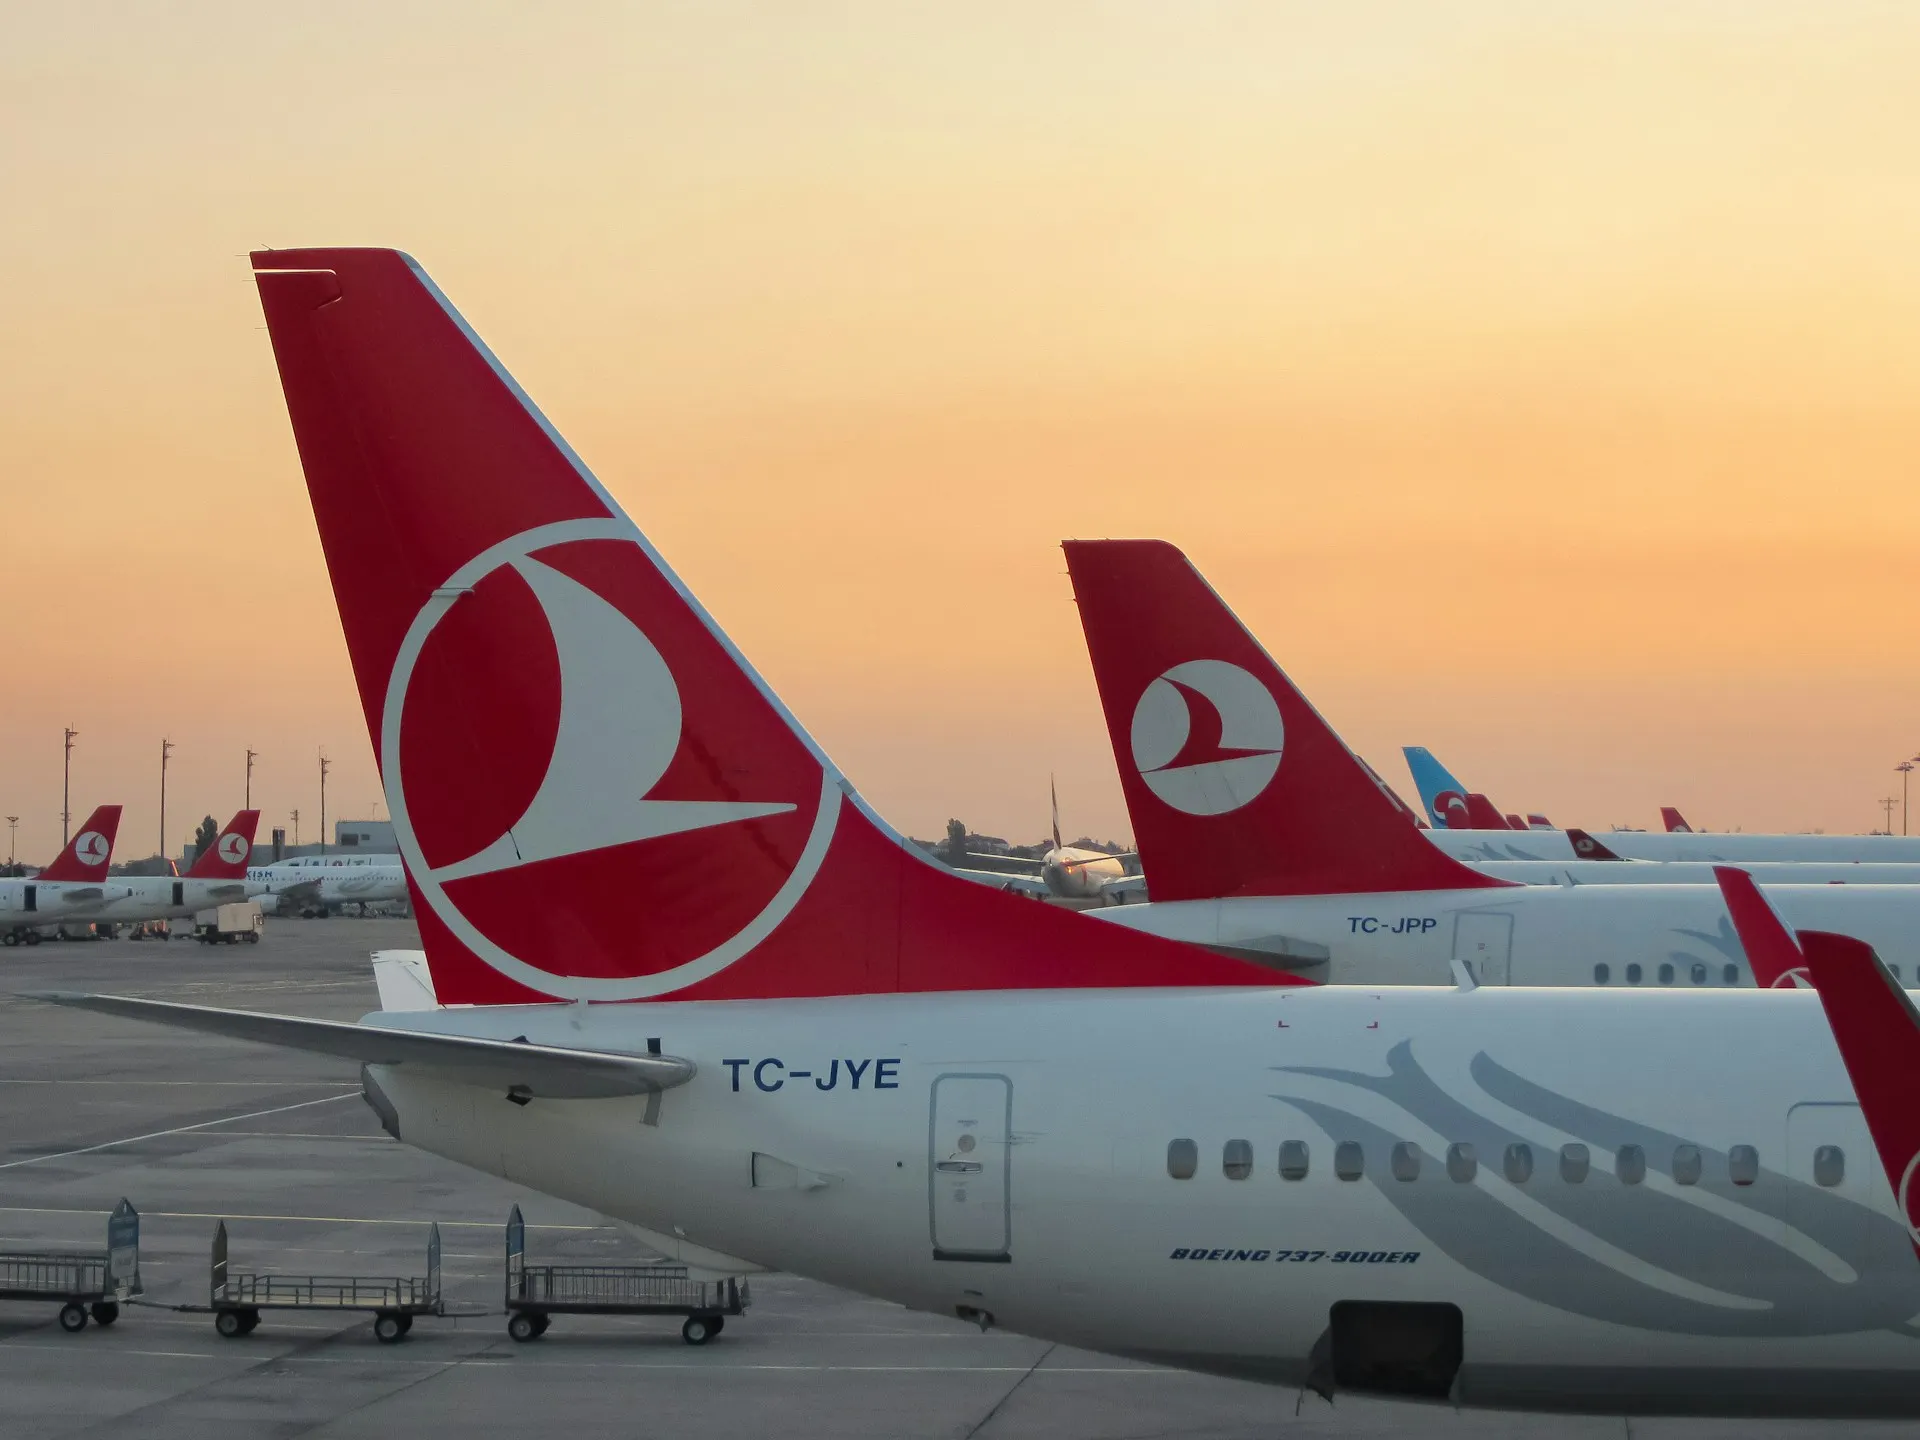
(226, 858)
(1675, 822)
(555, 714)
(1878, 1031)
(1234, 783)
(90, 850)
(1585, 847)
(1483, 814)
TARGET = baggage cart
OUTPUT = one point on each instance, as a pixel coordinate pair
(236, 1297)
(536, 1293)
(87, 1284)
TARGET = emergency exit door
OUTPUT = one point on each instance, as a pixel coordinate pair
(970, 1186)
(1484, 939)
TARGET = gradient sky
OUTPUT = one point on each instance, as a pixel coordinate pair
(1537, 378)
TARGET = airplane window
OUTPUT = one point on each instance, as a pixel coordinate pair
(1699, 974)
(1730, 974)
(1601, 974)
(1666, 974)
(1183, 1158)
(1518, 1163)
(1461, 1165)
(1406, 1161)
(1236, 1159)
(1293, 1159)
(1743, 1164)
(1829, 1165)
(1686, 1165)
(1349, 1161)
(1630, 1164)
(1573, 1163)
(1633, 974)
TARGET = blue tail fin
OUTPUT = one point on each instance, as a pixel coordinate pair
(1434, 782)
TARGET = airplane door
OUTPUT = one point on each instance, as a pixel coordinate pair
(32, 893)
(969, 1175)
(1484, 939)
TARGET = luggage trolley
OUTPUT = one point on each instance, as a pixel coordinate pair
(236, 1297)
(535, 1293)
(88, 1283)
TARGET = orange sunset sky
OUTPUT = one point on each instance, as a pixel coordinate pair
(1538, 380)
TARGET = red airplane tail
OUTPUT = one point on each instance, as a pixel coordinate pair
(1235, 784)
(1878, 1031)
(226, 858)
(596, 797)
(1773, 954)
(1585, 847)
(1675, 822)
(91, 849)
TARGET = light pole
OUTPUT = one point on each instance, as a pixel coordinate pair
(66, 785)
(296, 829)
(1887, 805)
(252, 755)
(1905, 767)
(166, 749)
(13, 824)
(325, 765)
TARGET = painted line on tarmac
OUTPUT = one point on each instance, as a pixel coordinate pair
(177, 1130)
(427, 1361)
(151, 1084)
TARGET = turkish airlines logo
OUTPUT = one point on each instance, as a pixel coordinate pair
(1451, 807)
(1207, 737)
(233, 847)
(90, 848)
(616, 775)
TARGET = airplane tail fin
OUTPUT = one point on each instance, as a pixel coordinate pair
(1235, 784)
(1773, 954)
(1438, 788)
(1877, 1029)
(1053, 793)
(226, 858)
(567, 739)
(1514, 822)
(1675, 822)
(1539, 822)
(1585, 847)
(90, 850)
(1481, 814)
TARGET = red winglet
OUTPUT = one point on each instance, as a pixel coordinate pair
(226, 858)
(555, 713)
(1585, 847)
(1772, 952)
(1878, 1031)
(91, 848)
(1675, 822)
(1234, 783)
(1514, 822)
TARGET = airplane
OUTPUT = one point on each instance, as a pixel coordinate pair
(314, 885)
(70, 891)
(826, 1054)
(1450, 805)
(217, 876)
(1064, 871)
(1674, 822)
(1263, 836)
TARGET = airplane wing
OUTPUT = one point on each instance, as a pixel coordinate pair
(1022, 884)
(1002, 864)
(545, 1071)
(1772, 952)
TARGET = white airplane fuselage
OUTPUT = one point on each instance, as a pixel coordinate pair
(1697, 872)
(1010, 1155)
(1674, 935)
(1709, 847)
(25, 903)
(162, 897)
(324, 885)
(1080, 874)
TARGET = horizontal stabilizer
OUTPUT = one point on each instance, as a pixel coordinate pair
(406, 984)
(544, 1071)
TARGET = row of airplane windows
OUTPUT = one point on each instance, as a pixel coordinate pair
(1516, 1164)
(1729, 974)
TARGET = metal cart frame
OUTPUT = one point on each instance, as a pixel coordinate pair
(88, 1284)
(236, 1297)
(535, 1293)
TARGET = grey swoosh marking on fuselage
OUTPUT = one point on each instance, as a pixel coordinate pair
(1493, 1240)
(1724, 939)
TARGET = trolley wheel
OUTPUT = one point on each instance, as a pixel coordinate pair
(9, 938)
(253, 937)
(523, 1327)
(387, 1328)
(232, 1324)
(73, 1317)
(698, 1330)
(105, 1312)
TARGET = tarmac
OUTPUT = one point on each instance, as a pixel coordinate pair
(196, 1129)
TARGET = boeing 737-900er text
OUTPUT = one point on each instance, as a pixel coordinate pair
(70, 891)
(1262, 834)
(833, 1057)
